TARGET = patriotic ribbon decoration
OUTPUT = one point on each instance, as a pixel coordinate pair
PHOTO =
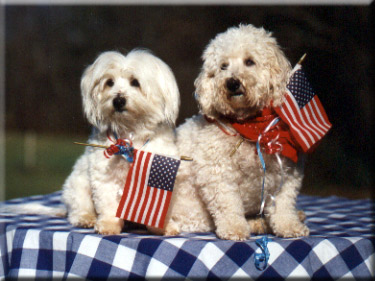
(273, 142)
(261, 259)
(122, 147)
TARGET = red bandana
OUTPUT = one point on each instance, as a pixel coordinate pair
(277, 139)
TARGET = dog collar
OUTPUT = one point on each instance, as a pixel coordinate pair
(222, 126)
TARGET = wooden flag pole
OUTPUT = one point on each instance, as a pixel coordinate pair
(302, 59)
(90, 144)
(183, 158)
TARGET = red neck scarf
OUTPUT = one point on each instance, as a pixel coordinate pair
(277, 139)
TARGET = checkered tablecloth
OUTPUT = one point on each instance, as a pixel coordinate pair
(341, 245)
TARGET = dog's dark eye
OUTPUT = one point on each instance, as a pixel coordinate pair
(224, 66)
(109, 83)
(135, 83)
(249, 62)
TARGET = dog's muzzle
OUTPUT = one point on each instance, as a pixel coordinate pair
(234, 87)
(119, 103)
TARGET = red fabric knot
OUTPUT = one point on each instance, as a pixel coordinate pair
(277, 140)
(121, 142)
(112, 149)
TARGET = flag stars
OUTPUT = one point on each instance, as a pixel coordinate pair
(300, 88)
(163, 172)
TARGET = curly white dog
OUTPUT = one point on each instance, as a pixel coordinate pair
(135, 97)
(244, 71)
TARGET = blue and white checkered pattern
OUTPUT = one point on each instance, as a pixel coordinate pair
(341, 245)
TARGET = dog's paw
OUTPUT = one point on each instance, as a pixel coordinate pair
(259, 226)
(291, 229)
(301, 215)
(237, 230)
(109, 226)
(171, 229)
(85, 220)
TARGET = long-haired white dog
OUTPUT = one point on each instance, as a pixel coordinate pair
(134, 97)
(244, 70)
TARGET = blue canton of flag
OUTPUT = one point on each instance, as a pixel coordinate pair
(163, 172)
(300, 86)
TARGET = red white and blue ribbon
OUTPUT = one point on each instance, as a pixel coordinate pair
(123, 147)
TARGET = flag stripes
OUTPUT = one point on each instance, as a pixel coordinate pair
(147, 192)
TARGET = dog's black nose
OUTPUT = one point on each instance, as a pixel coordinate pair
(119, 103)
(233, 84)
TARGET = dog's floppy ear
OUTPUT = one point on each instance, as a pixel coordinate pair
(89, 92)
(160, 79)
(171, 95)
(279, 68)
(204, 84)
(204, 89)
(91, 83)
(87, 86)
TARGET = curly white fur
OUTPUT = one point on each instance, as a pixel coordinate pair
(218, 192)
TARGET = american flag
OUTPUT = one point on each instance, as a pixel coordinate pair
(303, 111)
(148, 189)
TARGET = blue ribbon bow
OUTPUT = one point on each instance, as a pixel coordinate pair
(126, 152)
(261, 259)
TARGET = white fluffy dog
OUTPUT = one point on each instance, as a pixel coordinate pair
(244, 71)
(136, 97)
(133, 97)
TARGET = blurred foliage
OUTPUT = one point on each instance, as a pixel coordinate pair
(47, 48)
(54, 159)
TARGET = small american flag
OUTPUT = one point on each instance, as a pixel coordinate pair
(303, 112)
(148, 189)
